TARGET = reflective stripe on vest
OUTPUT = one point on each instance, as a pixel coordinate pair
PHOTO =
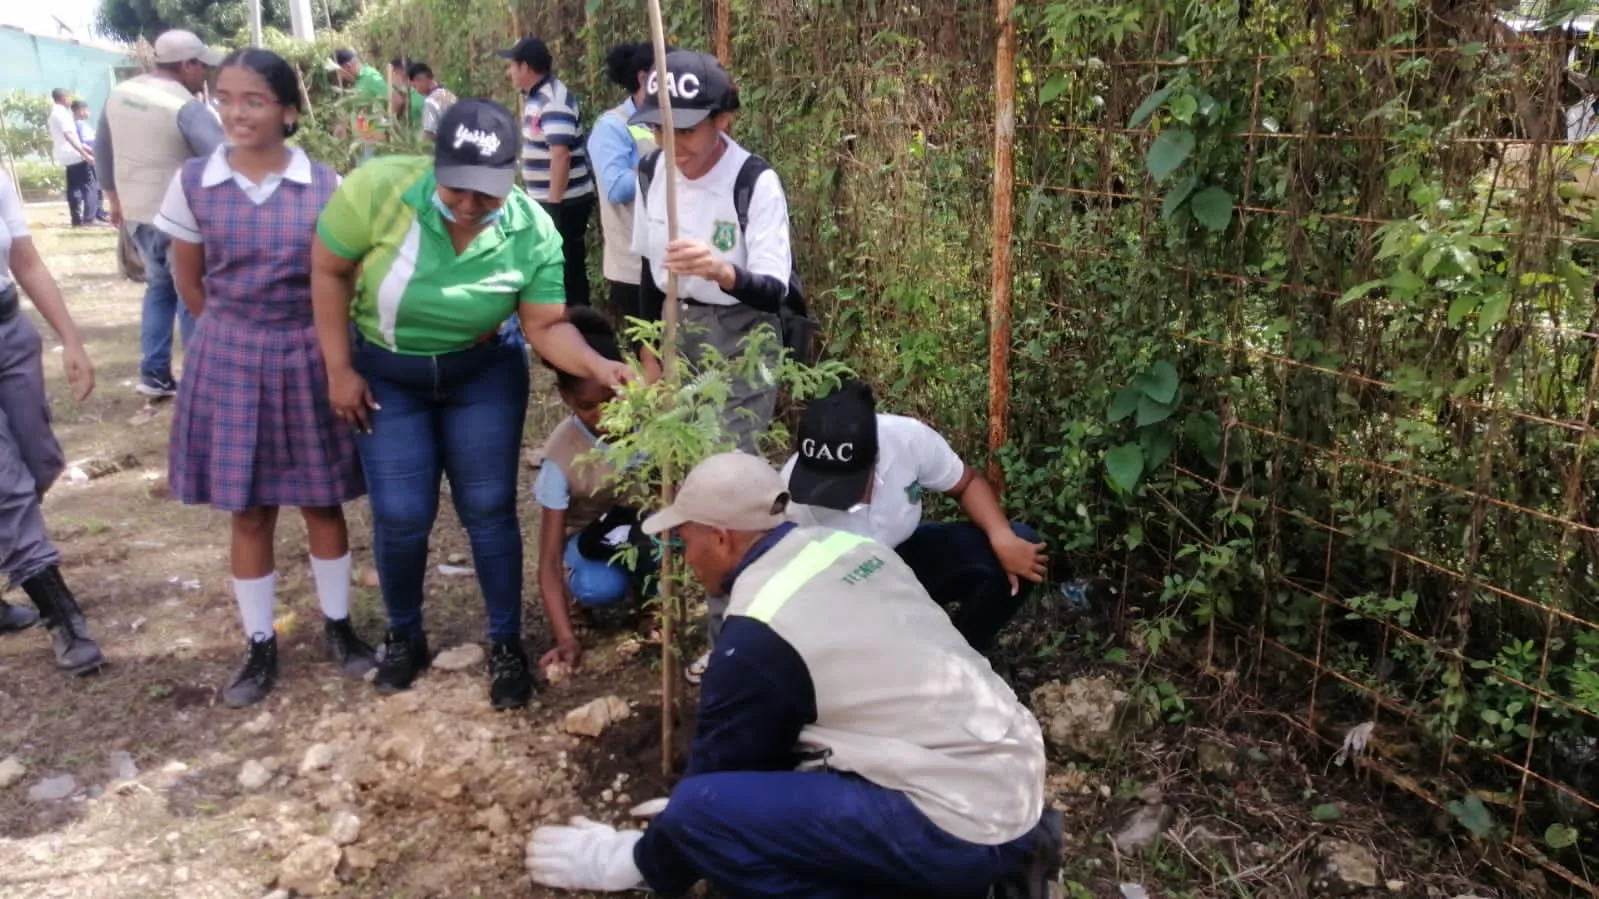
(640, 132)
(811, 561)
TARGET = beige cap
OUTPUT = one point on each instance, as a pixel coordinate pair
(181, 46)
(736, 491)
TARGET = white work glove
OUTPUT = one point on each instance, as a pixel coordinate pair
(587, 855)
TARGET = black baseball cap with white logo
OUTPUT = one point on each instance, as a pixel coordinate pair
(475, 148)
(698, 87)
(836, 449)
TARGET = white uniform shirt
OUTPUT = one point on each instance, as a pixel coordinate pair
(912, 459)
(177, 220)
(13, 226)
(705, 213)
(63, 123)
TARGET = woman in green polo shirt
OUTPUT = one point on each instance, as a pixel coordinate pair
(425, 258)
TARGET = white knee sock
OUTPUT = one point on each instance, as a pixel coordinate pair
(333, 585)
(257, 603)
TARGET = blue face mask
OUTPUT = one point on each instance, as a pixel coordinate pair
(449, 216)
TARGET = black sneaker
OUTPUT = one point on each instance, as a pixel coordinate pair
(1041, 866)
(256, 677)
(157, 387)
(512, 686)
(353, 656)
(404, 657)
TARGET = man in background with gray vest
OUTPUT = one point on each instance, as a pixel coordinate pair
(614, 151)
(151, 124)
(849, 742)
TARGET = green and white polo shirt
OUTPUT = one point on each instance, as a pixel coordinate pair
(413, 294)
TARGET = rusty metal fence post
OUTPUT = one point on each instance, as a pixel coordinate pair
(1000, 283)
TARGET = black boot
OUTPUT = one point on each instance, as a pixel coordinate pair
(256, 677)
(512, 684)
(404, 657)
(75, 650)
(16, 618)
(1041, 866)
(353, 656)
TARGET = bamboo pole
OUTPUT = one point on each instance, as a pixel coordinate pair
(999, 318)
(667, 172)
(724, 31)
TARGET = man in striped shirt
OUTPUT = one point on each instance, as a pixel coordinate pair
(555, 167)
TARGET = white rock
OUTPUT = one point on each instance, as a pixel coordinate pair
(1143, 828)
(461, 658)
(1346, 866)
(345, 828)
(258, 725)
(309, 869)
(253, 775)
(317, 758)
(123, 766)
(52, 788)
(592, 719)
(11, 771)
(1084, 719)
(648, 809)
(1395, 886)
(279, 894)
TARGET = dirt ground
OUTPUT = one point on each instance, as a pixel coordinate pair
(431, 793)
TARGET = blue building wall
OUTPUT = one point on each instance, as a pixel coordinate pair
(38, 64)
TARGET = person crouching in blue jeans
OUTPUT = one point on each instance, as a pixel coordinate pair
(860, 471)
(584, 526)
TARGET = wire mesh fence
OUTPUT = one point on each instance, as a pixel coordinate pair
(1304, 357)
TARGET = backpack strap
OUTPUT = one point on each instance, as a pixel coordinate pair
(744, 188)
(646, 172)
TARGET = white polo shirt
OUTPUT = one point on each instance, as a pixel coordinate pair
(705, 213)
(63, 122)
(912, 459)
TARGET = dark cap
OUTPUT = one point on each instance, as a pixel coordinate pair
(475, 148)
(529, 50)
(344, 56)
(698, 86)
(837, 448)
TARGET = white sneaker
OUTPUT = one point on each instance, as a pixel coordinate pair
(696, 669)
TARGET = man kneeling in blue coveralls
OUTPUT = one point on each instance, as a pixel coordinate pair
(850, 743)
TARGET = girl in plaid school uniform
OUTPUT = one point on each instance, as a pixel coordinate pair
(253, 430)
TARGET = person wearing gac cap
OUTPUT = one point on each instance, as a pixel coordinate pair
(426, 258)
(733, 261)
(816, 768)
(866, 472)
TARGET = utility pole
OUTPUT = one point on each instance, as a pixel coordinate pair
(301, 22)
(255, 23)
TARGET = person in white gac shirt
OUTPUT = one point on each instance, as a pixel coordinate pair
(860, 471)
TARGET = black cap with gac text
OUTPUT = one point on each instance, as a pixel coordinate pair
(475, 148)
(836, 450)
(697, 85)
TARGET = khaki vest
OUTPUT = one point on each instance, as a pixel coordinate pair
(901, 699)
(588, 481)
(616, 222)
(147, 148)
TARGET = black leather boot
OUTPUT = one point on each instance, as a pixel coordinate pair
(1041, 866)
(404, 657)
(16, 618)
(75, 650)
(347, 650)
(256, 677)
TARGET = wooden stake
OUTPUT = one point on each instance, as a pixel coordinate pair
(1000, 283)
(724, 30)
(667, 172)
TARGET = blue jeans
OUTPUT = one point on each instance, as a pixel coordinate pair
(811, 835)
(595, 583)
(955, 564)
(161, 304)
(461, 415)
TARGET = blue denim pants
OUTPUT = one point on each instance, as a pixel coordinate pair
(596, 583)
(955, 563)
(459, 414)
(161, 305)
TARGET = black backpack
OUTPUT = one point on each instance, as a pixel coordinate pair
(801, 331)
